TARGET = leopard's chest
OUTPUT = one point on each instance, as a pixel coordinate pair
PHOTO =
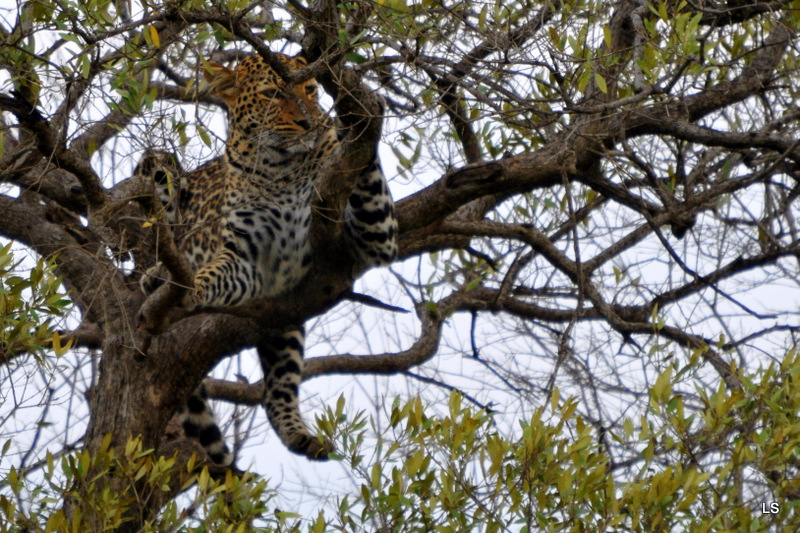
(263, 226)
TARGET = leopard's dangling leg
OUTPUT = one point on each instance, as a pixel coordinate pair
(281, 356)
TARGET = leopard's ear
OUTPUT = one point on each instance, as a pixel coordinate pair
(223, 80)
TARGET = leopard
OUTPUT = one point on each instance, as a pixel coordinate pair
(242, 222)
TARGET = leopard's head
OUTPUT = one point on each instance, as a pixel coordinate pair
(262, 111)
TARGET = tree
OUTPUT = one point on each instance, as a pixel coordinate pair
(597, 187)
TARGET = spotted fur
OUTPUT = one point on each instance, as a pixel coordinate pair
(243, 220)
(199, 423)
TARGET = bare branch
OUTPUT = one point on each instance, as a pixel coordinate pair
(390, 363)
(30, 118)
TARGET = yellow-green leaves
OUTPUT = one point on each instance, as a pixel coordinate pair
(600, 81)
(31, 302)
(444, 472)
(456, 471)
(151, 37)
(58, 348)
(661, 391)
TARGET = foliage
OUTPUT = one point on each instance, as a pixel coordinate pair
(230, 504)
(457, 472)
(31, 300)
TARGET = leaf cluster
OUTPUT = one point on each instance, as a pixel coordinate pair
(31, 303)
(456, 472)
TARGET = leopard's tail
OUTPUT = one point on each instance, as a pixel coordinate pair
(199, 423)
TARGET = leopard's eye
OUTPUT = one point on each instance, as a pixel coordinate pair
(311, 89)
(272, 93)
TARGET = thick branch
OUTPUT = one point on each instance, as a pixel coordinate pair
(90, 276)
(389, 363)
(48, 144)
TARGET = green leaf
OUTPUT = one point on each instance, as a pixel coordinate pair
(601, 83)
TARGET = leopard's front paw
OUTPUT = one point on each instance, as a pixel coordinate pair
(153, 315)
(153, 278)
(167, 303)
(193, 299)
